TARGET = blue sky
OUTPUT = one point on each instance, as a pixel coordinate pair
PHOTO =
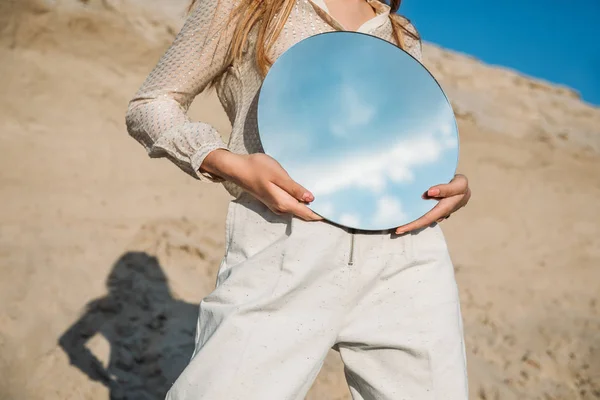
(558, 41)
(365, 140)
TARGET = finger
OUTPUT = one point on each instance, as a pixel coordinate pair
(301, 210)
(466, 198)
(439, 211)
(283, 203)
(458, 185)
(296, 190)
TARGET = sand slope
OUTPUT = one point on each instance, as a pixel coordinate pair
(105, 253)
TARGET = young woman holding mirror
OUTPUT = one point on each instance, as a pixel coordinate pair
(285, 291)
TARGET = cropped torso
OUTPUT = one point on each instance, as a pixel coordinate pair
(239, 89)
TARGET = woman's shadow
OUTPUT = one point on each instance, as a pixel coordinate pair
(151, 334)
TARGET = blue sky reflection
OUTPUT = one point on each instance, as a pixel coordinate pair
(365, 128)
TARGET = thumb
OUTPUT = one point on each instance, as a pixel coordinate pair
(458, 185)
(434, 191)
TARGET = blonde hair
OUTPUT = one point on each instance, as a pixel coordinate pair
(261, 14)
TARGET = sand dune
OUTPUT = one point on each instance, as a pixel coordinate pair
(105, 253)
(502, 101)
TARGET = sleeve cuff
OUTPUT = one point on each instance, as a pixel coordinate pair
(198, 158)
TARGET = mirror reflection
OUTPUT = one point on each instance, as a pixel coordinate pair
(361, 124)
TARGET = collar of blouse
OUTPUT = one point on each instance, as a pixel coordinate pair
(382, 12)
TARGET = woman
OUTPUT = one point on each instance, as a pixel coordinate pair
(286, 292)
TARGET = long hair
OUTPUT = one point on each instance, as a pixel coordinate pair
(261, 14)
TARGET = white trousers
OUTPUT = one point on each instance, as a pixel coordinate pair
(286, 294)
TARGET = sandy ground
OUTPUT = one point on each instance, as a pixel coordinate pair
(105, 253)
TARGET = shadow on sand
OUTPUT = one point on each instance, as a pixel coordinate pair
(151, 334)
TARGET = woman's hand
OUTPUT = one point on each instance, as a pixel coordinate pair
(264, 178)
(451, 196)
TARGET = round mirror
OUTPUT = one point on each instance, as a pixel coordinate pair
(362, 125)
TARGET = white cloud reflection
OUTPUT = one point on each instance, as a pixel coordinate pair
(326, 209)
(388, 209)
(448, 136)
(301, 142)
(370, 170)
(373, 169)
(351, 220)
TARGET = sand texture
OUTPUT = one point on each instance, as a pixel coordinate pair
(105, 253)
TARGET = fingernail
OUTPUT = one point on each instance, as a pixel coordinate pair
(433, 192)
(400, 232)
(306, 197)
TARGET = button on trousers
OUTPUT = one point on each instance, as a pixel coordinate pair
(285, 294)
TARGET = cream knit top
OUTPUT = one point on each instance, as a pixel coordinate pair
(157, 114)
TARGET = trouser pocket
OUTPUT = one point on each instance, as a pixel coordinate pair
(251, 227)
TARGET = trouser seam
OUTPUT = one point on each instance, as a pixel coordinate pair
(352, 244)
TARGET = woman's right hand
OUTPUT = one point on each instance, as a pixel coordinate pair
(264, 178)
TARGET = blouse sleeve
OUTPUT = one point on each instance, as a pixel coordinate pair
(157, 115)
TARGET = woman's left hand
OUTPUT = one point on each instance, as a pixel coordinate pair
(452, 196)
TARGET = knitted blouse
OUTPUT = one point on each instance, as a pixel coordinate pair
(157, 114)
